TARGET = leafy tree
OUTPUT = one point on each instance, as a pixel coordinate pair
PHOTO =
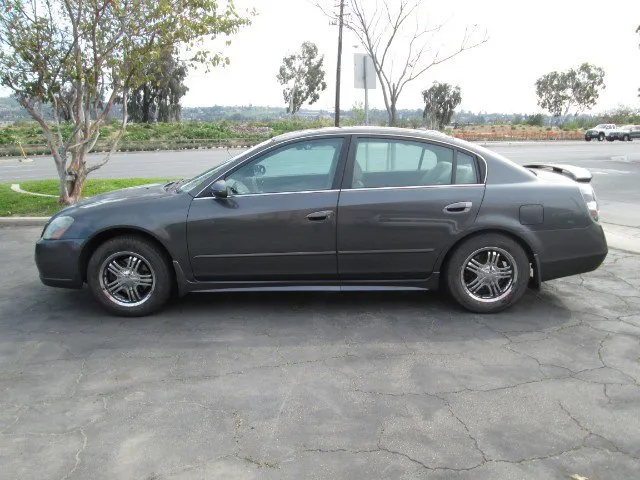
(535, 120)
(303, 75)
(579, 89)
(159, 97)
(441, 99)
(358, 113)
(621, 115)
(98, 51)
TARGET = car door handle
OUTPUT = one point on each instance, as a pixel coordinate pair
(319, 216)
(459, 207)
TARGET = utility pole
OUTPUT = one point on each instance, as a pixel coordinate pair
(339, 67)
(366, 91)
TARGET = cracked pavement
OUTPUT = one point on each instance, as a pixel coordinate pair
(379, 385)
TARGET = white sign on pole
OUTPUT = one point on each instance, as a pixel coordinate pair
(364, 71)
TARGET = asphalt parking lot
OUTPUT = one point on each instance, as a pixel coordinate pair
(338, 386)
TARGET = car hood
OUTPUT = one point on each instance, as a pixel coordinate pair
(125, 194)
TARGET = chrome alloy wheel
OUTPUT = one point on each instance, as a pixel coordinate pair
(127, 279)
(489, 274)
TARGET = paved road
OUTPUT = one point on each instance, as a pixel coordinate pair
(294, 386)
(616, 167)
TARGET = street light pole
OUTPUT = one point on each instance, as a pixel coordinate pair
(339, 67)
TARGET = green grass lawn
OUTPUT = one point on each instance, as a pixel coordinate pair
(14, 204)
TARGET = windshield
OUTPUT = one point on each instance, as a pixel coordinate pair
(195, 181)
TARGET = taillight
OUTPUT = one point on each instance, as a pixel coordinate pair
(590, 199)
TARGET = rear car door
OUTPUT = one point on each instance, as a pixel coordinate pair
(401, 202)
(279, 221)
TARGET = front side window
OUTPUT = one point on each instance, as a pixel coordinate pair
(302, 166)
(400, 163)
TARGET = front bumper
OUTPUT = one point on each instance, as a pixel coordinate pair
(591, 135)
(58, 262)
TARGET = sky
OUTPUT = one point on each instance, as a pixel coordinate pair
(526, 40)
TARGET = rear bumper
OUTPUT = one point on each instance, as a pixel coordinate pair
(571, 252)
(58, 262)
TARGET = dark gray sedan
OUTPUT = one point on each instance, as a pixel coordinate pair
(333, 209)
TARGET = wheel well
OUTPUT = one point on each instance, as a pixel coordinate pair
(525, 246)
(102, 237)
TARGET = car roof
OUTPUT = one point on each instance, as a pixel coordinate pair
(432, 134)
(428, 135)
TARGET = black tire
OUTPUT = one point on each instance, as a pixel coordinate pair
(509, 290)
(588, 139)
(148, 264)
(610, 139)
(601, 137)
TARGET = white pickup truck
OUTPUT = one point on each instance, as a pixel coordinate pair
(599, 131)
(625, 133)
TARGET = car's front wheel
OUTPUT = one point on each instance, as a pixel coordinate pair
(129, 276)
(627, 138)
(488, 273)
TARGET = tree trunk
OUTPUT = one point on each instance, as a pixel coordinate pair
(393, 113)
(75, 192)
(292, 103)
(63, 199)
(146, 104)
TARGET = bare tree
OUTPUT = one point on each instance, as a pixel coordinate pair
(393, 22)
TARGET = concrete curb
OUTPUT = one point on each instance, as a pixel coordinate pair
(23, 221)
(622, 237)
(618, 236)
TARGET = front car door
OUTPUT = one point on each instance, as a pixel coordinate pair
(401, 202)
(279, 221)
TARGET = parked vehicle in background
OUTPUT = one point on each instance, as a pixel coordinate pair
(599, 131)
(625, 133)
(336, 209)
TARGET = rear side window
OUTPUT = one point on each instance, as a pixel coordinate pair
(466, 170)
(400, 163)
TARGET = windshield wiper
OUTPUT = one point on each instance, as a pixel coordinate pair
(174, 185)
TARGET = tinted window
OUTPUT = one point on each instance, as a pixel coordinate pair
(466, 171)
(308, 165)
(400, 163)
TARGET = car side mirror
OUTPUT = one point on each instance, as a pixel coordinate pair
(219, 189)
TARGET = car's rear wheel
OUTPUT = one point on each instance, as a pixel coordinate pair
(488, 273)
(129, 276)
(601, 137)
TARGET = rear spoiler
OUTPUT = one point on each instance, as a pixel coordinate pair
(578, 174)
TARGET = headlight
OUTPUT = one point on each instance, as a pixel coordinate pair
(57, 227)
